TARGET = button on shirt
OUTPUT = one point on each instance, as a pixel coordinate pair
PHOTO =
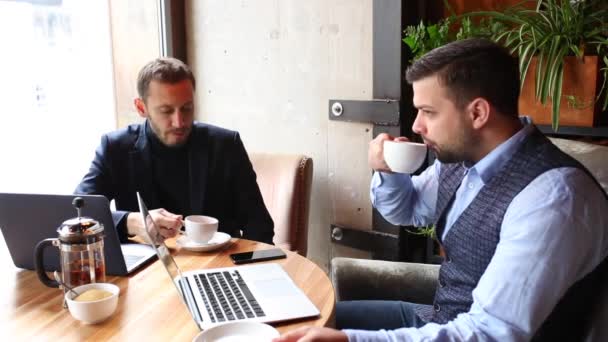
(553, 233)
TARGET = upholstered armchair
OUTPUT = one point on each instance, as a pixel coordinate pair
(359, 279)
(285, 181)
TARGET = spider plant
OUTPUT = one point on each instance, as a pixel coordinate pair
(553, 30)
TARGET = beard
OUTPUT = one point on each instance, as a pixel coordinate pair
(448, 156)
(456, 150)
(173, 138)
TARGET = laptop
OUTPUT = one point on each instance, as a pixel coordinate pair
(258, 293)
(26, 219)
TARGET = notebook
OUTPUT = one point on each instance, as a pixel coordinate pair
(26, 219)
(259, 293)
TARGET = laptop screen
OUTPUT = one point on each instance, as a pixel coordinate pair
(26, 219)
(153, 237)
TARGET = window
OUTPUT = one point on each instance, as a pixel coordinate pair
(57, 95)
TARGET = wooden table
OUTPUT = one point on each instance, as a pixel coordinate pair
(148, 307)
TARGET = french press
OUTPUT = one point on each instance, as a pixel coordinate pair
(80, 244)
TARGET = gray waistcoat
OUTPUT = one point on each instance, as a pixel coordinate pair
(472, 240)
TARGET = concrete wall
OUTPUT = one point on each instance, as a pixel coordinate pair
(267, 68)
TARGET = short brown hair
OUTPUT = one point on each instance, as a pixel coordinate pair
(472, 68)
(164, 69)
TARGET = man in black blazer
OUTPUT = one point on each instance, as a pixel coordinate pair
(180, 167)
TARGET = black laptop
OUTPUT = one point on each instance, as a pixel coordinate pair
(26, 219)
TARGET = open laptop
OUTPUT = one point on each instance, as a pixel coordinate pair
(26, 219)
(259, 293)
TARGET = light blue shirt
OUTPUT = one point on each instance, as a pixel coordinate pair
(553, 233)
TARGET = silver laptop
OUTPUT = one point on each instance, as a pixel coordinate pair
(26, 219)
(260, 293)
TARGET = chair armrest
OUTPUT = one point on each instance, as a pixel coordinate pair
(360, 279)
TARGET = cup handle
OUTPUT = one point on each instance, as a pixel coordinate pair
(38, 252)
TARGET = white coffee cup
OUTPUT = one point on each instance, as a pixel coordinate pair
(199, 228)
(404, 156)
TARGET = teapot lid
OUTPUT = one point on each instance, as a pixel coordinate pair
(80, 229)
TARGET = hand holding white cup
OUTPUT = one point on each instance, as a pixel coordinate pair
(200, 229)
(404, 156)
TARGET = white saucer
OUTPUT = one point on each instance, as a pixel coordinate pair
(218, 240)
(238, 332)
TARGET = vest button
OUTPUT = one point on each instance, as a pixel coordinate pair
(441, 283)
(448, 259)
(436, 307)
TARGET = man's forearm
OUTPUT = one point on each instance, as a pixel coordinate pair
(133, 223)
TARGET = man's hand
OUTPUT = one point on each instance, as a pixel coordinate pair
(313, 334)
(375, 154)
(168, 224)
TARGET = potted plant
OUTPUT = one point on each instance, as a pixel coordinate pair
(423, 38)
(552, 41)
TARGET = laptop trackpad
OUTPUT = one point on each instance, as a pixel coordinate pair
(137, 249)
(135, 254)
(275, 287)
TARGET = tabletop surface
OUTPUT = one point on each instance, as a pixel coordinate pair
(148, 307)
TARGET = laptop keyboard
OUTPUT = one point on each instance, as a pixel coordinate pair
(227, 297)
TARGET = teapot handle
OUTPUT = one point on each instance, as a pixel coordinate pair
(38, 252)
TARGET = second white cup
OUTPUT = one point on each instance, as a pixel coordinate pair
(199, 228)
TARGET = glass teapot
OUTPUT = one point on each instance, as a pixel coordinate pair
(80, 244)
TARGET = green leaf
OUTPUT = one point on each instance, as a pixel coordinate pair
(433, 33)
(557, 98)
(524, 62)
(411, 43)
(428, 231)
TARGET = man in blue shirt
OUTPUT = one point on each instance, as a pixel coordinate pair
(522, 224)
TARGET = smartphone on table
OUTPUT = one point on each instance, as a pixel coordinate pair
(253, 256)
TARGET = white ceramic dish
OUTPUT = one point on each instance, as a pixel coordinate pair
(217, 241)
(238, 332)
(96, 311)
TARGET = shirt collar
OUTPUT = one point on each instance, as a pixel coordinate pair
(489, 165)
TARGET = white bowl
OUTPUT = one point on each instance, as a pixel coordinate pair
(404, 156)
(96, 311)
(238, 332)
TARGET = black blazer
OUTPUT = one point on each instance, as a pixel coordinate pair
(222, 181)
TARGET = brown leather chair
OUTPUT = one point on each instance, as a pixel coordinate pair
(285, 181)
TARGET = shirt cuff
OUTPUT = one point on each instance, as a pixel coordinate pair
(365, 335)
(389, 179)
(120, 222)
